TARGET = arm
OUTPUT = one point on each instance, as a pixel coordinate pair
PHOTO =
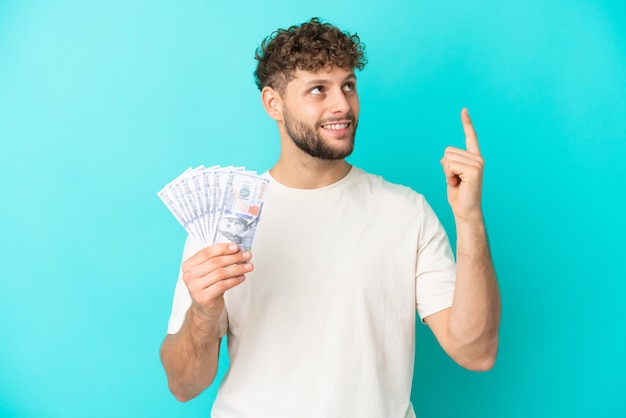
(468, 330)
(190, 356)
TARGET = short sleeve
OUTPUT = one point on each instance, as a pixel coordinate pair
(435, 269)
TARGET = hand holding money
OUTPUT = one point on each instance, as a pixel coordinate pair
(211, 272)
(220, 207)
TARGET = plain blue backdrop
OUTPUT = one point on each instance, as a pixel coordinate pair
(102, 103)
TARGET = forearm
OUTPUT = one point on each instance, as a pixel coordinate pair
(474, 318)
(190, 357)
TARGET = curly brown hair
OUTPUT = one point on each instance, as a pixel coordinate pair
(309, 47)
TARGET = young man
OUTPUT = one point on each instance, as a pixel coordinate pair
(323, 324)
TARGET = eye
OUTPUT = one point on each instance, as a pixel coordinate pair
(317, 90)
(350, 86)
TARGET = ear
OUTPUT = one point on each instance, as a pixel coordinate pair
(272, 102)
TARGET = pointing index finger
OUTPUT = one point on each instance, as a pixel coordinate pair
(471, 140)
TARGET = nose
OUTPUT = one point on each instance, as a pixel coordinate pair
(339, 103)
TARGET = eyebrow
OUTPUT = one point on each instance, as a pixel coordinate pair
(324, 81)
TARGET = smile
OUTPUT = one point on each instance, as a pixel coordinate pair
(336, 126)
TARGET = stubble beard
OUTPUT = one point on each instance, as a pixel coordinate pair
(310, 141)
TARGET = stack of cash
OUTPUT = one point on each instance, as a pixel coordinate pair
(217, 204)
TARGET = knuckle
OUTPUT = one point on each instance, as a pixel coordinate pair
(186, 265)
(223, 273)
(213, 263)
(221, 287)
(188, 276)
(219, 275)
(208, 251)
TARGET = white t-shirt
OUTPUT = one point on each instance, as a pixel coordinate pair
(325, 324)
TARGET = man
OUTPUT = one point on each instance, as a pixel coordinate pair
(323, 324)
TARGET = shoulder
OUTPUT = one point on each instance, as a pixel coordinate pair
(378, 187)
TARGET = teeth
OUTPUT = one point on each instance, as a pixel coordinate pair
(336, 126)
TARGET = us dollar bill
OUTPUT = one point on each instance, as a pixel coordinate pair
(241, 209)
(217, 204)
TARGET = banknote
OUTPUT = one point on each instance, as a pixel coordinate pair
(217, 204)
(241, 206)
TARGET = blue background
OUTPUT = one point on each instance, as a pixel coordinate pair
(102, 103)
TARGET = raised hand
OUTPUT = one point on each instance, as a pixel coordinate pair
(464, 174)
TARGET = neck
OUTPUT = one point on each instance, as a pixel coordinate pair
(309, 173)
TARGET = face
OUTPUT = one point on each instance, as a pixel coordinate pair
(231, 225)
(320, 112)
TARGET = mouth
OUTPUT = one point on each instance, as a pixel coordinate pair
(337, 128)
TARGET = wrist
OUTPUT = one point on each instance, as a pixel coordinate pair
(473, 218)
(203, 323)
